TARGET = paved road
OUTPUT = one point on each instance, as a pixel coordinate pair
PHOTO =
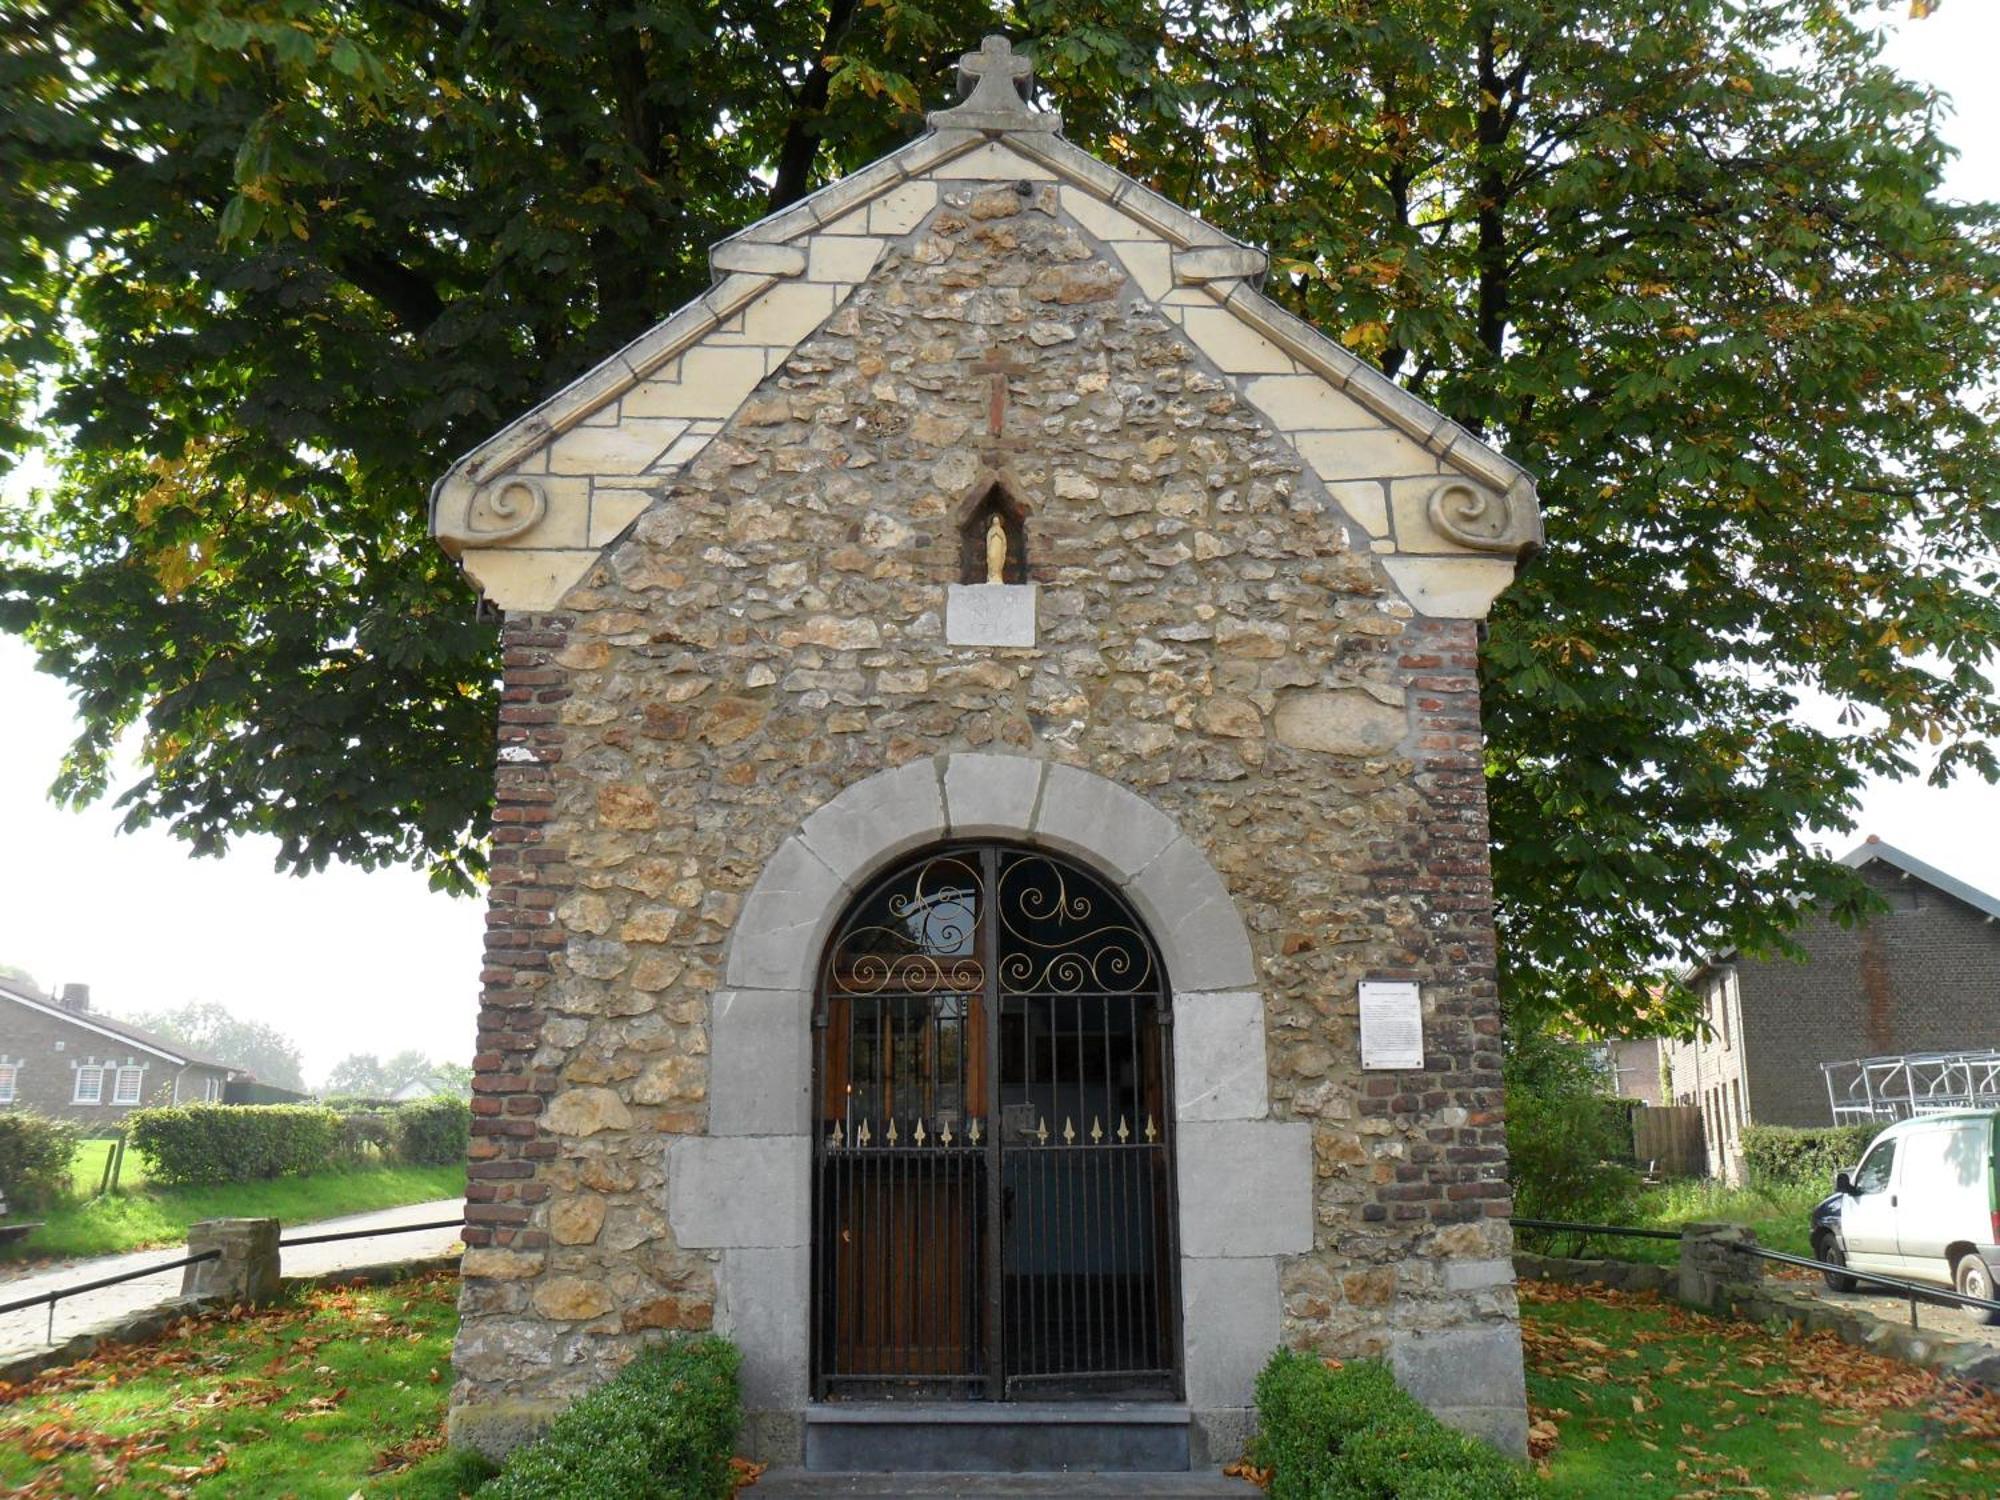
(1932, 1317)
(26, 1331)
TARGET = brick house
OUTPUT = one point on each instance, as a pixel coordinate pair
(61, 1058)
(1633, 1064)
(985, 690)
(1922, 977)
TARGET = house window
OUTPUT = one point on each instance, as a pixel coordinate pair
(126, 1089)
(211, 1088)
(8, 1072)
(89, 1086)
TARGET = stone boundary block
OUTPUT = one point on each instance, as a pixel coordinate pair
(1220, 1070)
(1190, 913)
(776, 942)
(247, 1270)
(734, 1192)
(876, 819)
(1712, 1261)
(1471, 1378)
(1232, 1310)
(1246, 1188)
(992, 796)
(760, 1063)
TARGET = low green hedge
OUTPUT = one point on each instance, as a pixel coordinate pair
(1351, 1433)
(207, 1143)
(1787, 1153)
(662, 1429)
(433, 1132)
(367, 1136)
(35, 1156)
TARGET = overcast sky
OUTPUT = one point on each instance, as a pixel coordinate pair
(350, 962)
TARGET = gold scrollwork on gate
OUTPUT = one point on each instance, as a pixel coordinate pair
(922, 942)
(1053, 946)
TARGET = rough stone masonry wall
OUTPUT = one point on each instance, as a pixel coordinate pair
(770, 632)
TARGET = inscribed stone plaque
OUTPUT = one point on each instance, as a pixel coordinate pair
(1392, 1025)
(990, 614)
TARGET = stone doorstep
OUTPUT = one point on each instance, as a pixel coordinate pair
(804, 1484)
(998, 1437)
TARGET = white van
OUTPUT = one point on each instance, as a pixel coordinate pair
(1924, 1204)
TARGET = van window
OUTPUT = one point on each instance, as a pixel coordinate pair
(1873, 1174)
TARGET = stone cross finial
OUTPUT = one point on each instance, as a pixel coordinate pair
(994, 77)
(995, 83)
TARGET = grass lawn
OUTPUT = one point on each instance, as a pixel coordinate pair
(160, 1216)
(1643, 1398)
(342, 1394)
(86, 1168)
(1779, 1215)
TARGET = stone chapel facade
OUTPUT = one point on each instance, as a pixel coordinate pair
(772, 748)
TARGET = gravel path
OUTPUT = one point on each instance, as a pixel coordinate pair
(26, 1331)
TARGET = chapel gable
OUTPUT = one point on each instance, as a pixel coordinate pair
(528, 511)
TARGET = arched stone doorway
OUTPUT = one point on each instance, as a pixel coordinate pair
(993, 1183)
(1243, 1180)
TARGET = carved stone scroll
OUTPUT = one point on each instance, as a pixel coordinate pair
(1478, 518)
(494, 513)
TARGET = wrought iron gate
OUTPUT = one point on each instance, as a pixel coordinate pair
(993, 1166)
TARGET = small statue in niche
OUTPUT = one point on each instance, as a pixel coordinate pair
(996, 549)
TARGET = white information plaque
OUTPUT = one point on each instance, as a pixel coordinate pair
(1392, 1025)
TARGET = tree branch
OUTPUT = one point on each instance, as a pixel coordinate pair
(405, 293)
(801, 143)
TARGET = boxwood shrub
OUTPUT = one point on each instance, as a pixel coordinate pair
(193, 1143)
(433, 1132)
(1792, 1154)
(1349, 1432)
(35, 1156)
(662, 1429)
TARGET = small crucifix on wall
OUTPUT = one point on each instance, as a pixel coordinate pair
(997, 365)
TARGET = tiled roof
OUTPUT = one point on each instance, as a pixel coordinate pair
(180, 1052)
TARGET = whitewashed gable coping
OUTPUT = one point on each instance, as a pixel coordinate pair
(528, 510)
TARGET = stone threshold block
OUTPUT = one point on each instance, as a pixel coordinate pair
(990, 614)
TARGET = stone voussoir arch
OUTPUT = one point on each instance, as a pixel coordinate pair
(840, 847)
(1245, 1182)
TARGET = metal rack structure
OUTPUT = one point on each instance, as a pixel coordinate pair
(1866, 1089)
